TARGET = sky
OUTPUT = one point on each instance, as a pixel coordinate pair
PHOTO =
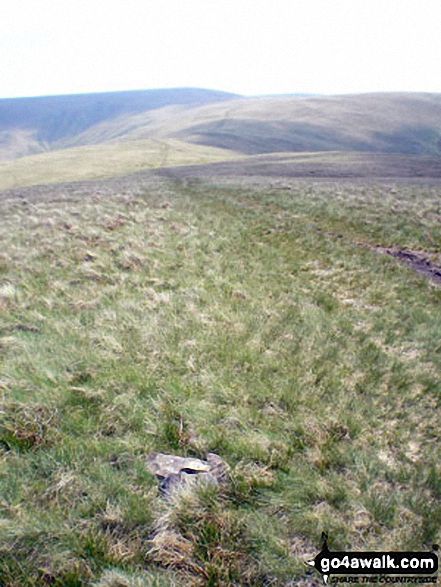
(250, 47)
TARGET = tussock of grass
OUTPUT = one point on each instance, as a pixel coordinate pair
(200, 534)
(25, 426)
(192, 318)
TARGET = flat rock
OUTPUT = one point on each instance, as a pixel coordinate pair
(162, 465)
(174, 472)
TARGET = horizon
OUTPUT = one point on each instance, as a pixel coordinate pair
(235, 95)
(310, 47)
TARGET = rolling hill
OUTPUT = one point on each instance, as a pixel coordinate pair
(30, 125)
(391, 123)
(60, 138)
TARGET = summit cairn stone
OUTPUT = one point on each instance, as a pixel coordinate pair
(175, 472)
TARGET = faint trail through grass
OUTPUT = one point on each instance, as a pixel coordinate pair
(189, 317)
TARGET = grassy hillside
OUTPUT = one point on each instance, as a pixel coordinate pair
(396, 123)
(329, 164)
(400, 123)
(18, 142)
(104, 160)
(51, 118)
(251, 319)
(117, 133)
(179, 159)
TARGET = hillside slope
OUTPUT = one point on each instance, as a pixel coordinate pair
(99, 135)
(255, 320)
(105, 160)
(330, 164)
(392, 123)
(31, 125)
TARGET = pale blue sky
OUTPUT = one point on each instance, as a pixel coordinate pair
(244, 46)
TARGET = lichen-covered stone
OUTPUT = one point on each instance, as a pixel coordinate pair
(174, 471)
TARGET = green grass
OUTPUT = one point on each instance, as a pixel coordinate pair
(104, 160)
(191, 318)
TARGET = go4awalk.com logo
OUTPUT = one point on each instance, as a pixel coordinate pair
(376, 567)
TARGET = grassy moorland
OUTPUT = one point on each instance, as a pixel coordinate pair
(104, 160)
(246, 318)
(405, 123)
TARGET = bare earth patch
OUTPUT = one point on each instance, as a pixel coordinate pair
(418, 262)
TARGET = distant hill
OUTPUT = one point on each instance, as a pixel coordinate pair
(390, 123)
(58, 138)
(31, 125)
